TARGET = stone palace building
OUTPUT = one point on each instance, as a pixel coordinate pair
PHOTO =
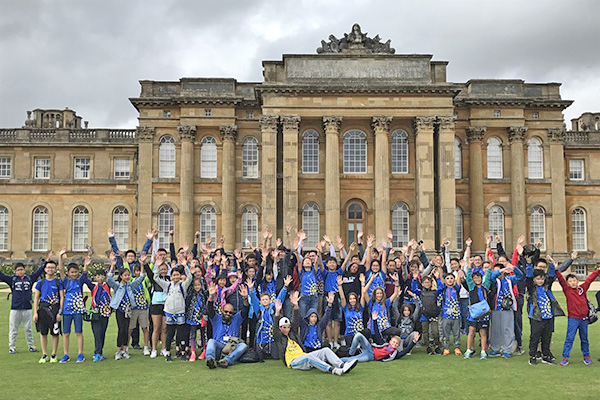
(353, 137)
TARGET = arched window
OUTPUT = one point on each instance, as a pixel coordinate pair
(457, 159)
(535, 158)
(250, 158)
(399, 152)
(537, 226)
(310, 224)
(208, 224)
(400, 226)
(460, 232)
(208, 158)
(355, 221)
(355, 152)
(578, 228)
(39, 240)
(310, 152)
(3, 228)
(166, 157)
(120, 223)
(494, 158)
(81, 217)
(249, 226)
(166, 223)
(496, 222)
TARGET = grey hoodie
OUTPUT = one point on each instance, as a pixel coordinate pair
(175, 303)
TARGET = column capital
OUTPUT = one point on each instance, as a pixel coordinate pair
(145, 133)
(290, 122)
(516, 133)
(475, 133)
(446, 122)
(381, 124)
(187, 132)
(556, 135)
(268, 121)
(228, 132)
(332, 123)
(423, 122)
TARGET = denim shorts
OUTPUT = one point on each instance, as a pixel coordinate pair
(76, 318)
(175, 319)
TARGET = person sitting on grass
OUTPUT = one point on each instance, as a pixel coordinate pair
(311, 328)
(73, 307)
(292, 350)
(407, 323)
(385, 352)
(48, 301)
(577, 309)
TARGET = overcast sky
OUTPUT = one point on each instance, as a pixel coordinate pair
(90, 55)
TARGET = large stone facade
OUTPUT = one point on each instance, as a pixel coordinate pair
(394, 144)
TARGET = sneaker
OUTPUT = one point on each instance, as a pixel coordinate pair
(202, 355)
(538, 355)
(137, 347)
(53, 359)
(101, 357)
(457, 352)
(44, 359)
(96, 358)
(438, 351)
(193, 357)
(505, 355)
(80, 357)
(65, 359)
(483, 355)
(168, 358)
(184, 356)
(532, 360)
(331, 345)
(163, 352)
(430, 351)
(32, 349)
(153, 354)
(336, 345)
(337, 371)
(494, 353)
(146, 351)
(469, 353)
(118, 355)
(210, 363)
(564, 361)
(347, 367)
(12, 350)
(549, 360)
(587, 360)
(519, 351)
(126, 355)
(223, 363)
(446, 352)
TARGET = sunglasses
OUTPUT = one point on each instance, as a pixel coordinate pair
(228, 312)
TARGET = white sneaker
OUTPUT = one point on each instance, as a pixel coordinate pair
(163, 352)
(337, 371)
(146, 351)
(331, 345)
(347, 367)
(118, 355)
(126, 355)
(153, 354)
(336, 345)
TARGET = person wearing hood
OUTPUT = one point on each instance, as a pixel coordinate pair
(311, 329)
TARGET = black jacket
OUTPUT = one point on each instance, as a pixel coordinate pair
(280, 340)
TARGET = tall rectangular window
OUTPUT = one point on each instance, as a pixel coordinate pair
(40, 229)
(82, 168)
(4, 167)
(576, 170)
(121, 167)
(42, 168)
(3, 228)
(80, 228)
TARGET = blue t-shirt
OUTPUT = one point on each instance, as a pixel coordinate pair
(544, 303)
(383, 321)
(269, 287)
(125, 303)
(330, 278)
(220, 330)
(74, 295)
(309, 282)
(505, 289)
(312, 339)
(449, 296)
(140, 298)
(481, 298)
(49, 290)
(379, 281)
(354, 321)
(102, 300)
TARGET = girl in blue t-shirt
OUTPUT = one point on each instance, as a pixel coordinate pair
(379, 304)
(353, 312)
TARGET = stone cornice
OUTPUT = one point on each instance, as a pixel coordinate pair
(187, 132)
(145, 133)
(268, 122)
(320, 87)
(290, 122)
(556, 135)
(228, 132)
(529, 103)
(516, 133)
(332, 123)
(424, 122)
(178, 101)
(381, 123)
(475, 133)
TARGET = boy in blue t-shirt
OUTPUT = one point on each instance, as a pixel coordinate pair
(450, 324)
(330, 275)
(73, 307)
(48, 300)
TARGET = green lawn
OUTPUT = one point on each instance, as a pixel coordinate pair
(417, 376)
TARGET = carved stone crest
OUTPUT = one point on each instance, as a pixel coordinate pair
(228, 132)
(475, 133)
(356, 41)
(187, 132)
(144, 133)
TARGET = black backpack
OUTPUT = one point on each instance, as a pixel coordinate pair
(431, 308)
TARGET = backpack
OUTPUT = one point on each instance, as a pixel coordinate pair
(431, 308)
(592, 313)
(180, 288)
(250, 356)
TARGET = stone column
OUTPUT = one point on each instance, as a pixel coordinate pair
(331, 126)
(291, 124)
(559, 207)
(268, 128)
(187, 134)
(228, 137)
(516, 135)
(478, 227)
(446, 180)
(145, 136)
(425, 190)
(381, 129)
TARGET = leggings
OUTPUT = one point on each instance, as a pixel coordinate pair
(182, 336)
(194, 336)
(123, 329)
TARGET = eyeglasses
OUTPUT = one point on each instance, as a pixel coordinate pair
(228, 312)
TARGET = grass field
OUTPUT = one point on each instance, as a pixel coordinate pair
(417, 376)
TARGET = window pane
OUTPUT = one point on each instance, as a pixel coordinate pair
(310, 152)
(399, 152)
(121, 227)
(457, 160)
(355, 152)
(250, 226)
(494, 158)
(40, 229)
(166, 157)
(459, 229)
(3, 228)
(250, 159)
(496, 222)
(310, 224)
(537, 226)
(208, 158)
(121, 166)
(42, 168)
(400, 228)
(82, 168)
(166, 223)
(576, 170)
(578, 229)
(208, 224)
(80, 228)
(535, 157)
(4, 167)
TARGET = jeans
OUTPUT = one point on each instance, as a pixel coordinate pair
(306, 303)
(214, 348)
(464, 313)
(99, 329)
(573, 325)
(366, 349)
(323, 360)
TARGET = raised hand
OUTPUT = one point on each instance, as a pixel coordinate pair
(574, 254)
(370, 240)
(340, 243)
(278, 242)
(265, 233)
(250, 283)
(287, 280)
(327, 239)
(521, 239)
(222, 240)
(149, 234)
(340, 280)
(275, 254)
(469, 241)
(301, 235)
(171, 232)
(87, 260)
(294, 298)
(330, 298)
(50, 255)
(395, 277)
(444, 240)
(488, 240)
(197, 234)
(550, 260)
(375, 316)
(112, 258)
(155, 233)
(498, 240)
(173, 264)
(238, 253)
(243, 291)
(319, 247)
(362, 278)
(270, 236)
(411, 294)
(288, 228)
(212, 289)
(360, 234)
(62, 252)
(539, 244)
(436, 273)
(279, 305)
(143, 257)
(110, 232)
(416, 337)
(352, 247)
(390, 235)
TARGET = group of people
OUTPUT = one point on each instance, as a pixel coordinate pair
(326, 308)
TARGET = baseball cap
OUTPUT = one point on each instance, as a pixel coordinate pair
(284, 321)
